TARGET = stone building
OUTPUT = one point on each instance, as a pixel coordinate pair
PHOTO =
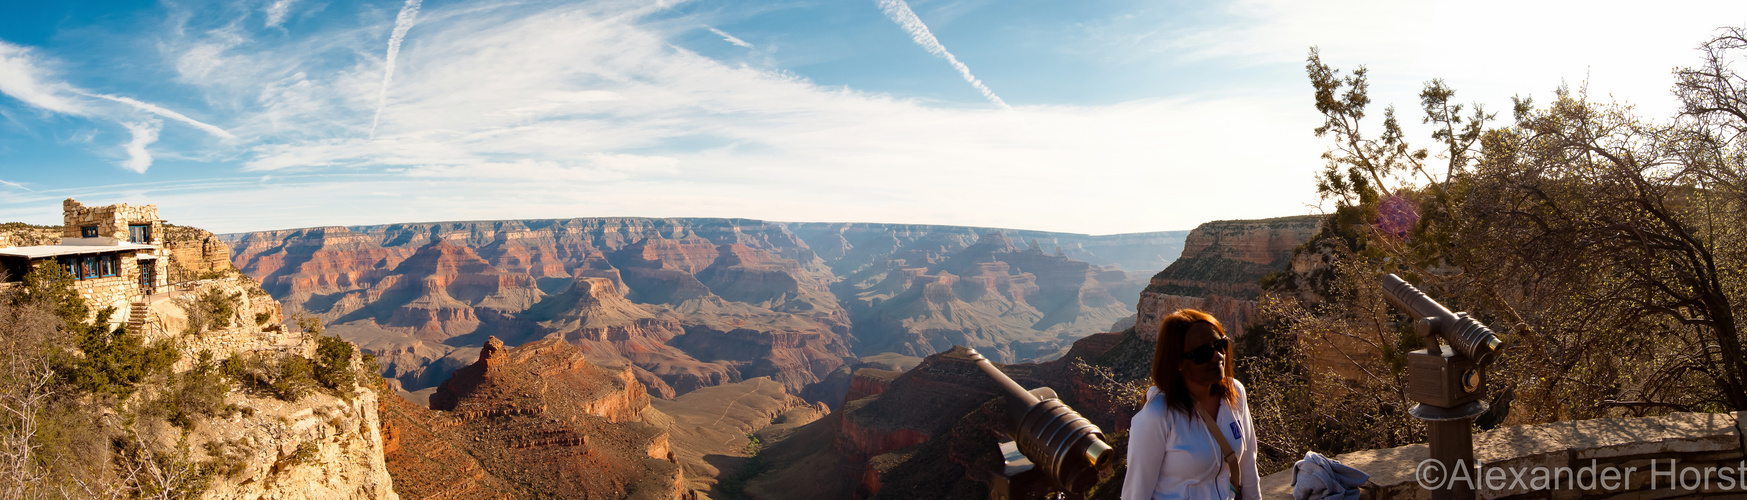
(115, 254)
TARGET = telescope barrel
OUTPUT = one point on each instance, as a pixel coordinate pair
(1410, 299)
(1067, 447)
(1467, 335)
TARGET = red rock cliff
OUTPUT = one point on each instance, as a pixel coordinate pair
(542, 418)
(1221, 269)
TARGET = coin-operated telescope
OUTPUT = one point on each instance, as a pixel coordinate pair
(1447, 382)
(1048, 439)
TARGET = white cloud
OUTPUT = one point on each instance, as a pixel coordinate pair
(144, 134)
(578, 110)
(899, 12)
(23, 78)
(276, 12)
(1488, 50)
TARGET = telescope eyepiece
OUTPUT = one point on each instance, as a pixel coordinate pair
(1068, 447)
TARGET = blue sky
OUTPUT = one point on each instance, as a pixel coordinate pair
(1092, 116)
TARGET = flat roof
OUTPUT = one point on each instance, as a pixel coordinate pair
(42, 251)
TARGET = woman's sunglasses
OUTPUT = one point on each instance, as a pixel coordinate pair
(1203, 354)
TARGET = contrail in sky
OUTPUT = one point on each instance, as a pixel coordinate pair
(160, 111)
(730, 38)
(408, 15)
(899, 12)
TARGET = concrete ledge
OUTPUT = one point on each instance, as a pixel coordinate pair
(1697, 440)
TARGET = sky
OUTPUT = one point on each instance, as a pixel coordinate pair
(1095, 116)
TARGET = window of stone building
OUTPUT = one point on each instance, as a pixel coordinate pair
(89, 267)
(139, 233)
(88, 232)
(106, 265)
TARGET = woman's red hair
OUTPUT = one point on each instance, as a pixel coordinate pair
(1168, 353)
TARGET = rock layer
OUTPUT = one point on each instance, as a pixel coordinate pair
(541, 421)
(1221, 269)
(691, 303)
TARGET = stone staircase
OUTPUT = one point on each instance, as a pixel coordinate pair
(136, 318)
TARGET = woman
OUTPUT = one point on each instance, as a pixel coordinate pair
(1172, 452)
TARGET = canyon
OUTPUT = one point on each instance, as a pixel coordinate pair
(686, 304)
(933, 430)
(664, 358)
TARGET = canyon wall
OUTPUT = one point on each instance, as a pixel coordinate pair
(536, 421)
(692, 303)
(1221, 270)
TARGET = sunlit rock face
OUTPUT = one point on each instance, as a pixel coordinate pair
(537, 420)
(691, 303)
(1221, 270)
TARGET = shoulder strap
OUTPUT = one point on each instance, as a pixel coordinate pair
(1224, 447)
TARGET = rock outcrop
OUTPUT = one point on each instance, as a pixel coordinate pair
(319, 446)
(1230, 257)
(195, 253)
(1221, 269)
(543, 422)
(19, 234)
(250, 441)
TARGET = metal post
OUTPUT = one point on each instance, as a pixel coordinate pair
(1451, 445)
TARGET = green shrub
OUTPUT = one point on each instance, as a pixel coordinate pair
(261, 318)
(200, 392)
(333, 364)
(211, 309)
(50, 285)
(734, 485)
(304, 454)
(227, 458)
(295, 377)
(112, 361)
(233, 367)
(287, 378)
(181, 477)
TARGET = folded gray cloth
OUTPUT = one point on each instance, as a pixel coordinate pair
(1318, 476)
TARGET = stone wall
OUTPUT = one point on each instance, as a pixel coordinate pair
(112, 291)
(111, 220)
(1702, 447)
(117, 291)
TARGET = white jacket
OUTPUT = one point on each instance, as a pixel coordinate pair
(1172, 455)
